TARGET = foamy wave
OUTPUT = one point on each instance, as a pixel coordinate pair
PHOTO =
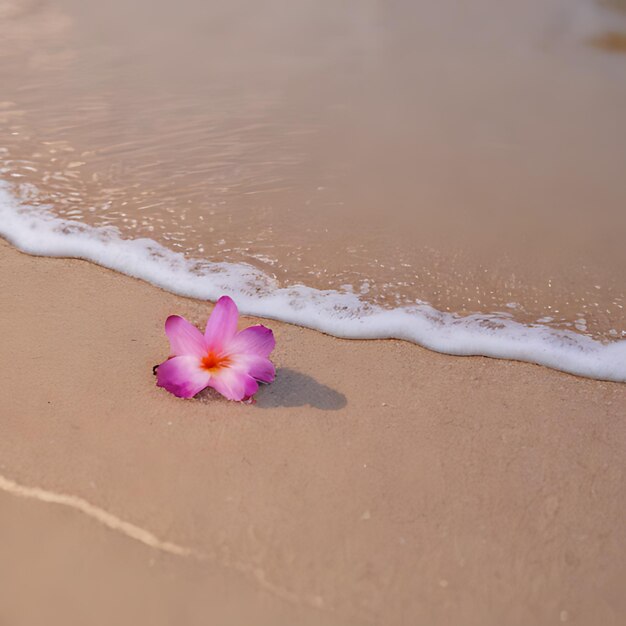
(342, 314)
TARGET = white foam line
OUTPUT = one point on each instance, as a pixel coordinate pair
(342, 314)
(104, 517)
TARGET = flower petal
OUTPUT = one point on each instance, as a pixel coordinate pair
(257, 340)
(258, 367)
(185, 338)
(183, 376)
(233, 383)
(222, 324)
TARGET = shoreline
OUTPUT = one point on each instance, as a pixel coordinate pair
(373, 481)
(338, 314)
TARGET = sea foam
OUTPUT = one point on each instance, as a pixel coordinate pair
(38, 231)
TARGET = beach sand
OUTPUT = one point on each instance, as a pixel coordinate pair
(374, 482)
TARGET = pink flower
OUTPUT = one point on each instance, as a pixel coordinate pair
(229, 361)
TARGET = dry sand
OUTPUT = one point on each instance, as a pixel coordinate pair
(373, 483)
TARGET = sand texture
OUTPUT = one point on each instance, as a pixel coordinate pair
(374, 482)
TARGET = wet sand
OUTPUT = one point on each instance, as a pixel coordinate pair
(373, 483)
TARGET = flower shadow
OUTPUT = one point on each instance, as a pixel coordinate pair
(292, 388)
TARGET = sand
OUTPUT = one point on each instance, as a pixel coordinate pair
(374, 482)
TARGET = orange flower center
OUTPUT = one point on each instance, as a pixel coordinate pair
(213, 362)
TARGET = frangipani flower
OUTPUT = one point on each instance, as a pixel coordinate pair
(229, 361)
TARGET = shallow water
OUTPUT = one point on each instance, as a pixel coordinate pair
(470, 158)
